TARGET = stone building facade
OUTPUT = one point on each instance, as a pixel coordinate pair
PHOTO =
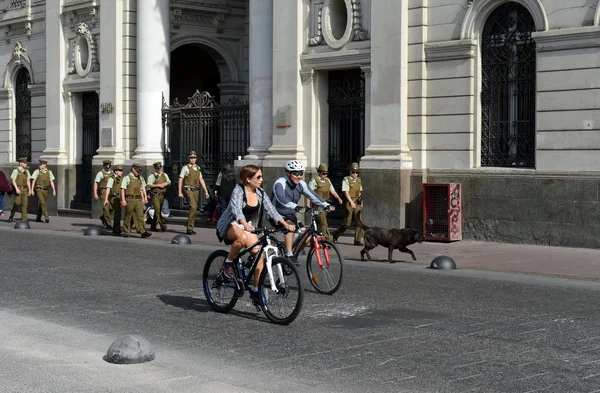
(499, 96)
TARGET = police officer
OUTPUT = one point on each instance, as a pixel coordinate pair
(157, 188)
(20, 181)
(100, 182)
(190, 180)
(133, 197)
(112, 197)
(352, 189)
(43, 179)
(323, 188)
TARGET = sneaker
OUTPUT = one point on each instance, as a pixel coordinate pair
(255, 297)
(1, 213)
(228, 271)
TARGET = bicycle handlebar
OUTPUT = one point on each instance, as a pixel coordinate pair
(314, 210)
(265, 231)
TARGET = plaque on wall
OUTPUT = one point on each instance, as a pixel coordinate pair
(107, 137)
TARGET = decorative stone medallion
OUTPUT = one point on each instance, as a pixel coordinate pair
(339, 22)
(84, 55)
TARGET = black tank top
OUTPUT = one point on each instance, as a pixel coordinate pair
(250, 210)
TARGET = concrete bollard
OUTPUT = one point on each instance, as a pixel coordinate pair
(181, 239)
(92, 231)
(443, 262)
(22, 225)
(130, 350)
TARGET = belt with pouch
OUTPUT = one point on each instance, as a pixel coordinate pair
(191, 188)
(133, 197)
(42, 188)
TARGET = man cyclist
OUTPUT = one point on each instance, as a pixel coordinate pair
(287, 191)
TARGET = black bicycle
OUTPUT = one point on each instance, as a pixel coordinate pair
(279, 287)
(324, 263)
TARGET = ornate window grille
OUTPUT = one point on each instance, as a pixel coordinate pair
(23, 114)
(16, 4)
(508, 60)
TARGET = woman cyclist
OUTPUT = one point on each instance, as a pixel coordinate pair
(236, 223)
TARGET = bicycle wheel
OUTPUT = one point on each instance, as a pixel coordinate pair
(283, 305)
(326, 276)
(218, 291)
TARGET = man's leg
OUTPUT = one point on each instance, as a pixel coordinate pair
(138, 209)
(345, 224)
(193, 202)
(24, 201)
(128, 217)
(161, 220)
(15, 206)
(116, 205)
(106, 211)
(322, 225)
(156, 205)
(42, 198)
(357, 230)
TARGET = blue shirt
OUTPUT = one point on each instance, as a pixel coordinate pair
(286, 196)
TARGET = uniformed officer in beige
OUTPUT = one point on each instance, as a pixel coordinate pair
(157, 189)
(323, 187)
(352, 189)
(43, 179)
(190, 180)
(20, 181)
(133, 198)
(112, 197)
(100, 182)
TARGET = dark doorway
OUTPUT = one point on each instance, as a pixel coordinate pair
(193, 69)
(23, 114)
(346, 101)
(90, 142)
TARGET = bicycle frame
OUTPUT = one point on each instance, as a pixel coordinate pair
(316, 237)
(269, 251)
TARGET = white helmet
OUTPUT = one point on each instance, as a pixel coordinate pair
(294, 165)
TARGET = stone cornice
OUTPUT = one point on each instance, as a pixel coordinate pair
(450, 50)
(37, 89)
(332, 60)
(92, 82)
(565, 39)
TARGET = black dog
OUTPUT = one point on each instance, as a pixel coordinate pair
(390, 238)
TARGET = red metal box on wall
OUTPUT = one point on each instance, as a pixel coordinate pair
(442, 211)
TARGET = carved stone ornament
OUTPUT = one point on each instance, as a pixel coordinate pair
(23, 29)
(19, 59)
(358, 33)
(186, 17)
(470, 3)
(318, 38)
(84, 52)
(307, 76)
(89, 18)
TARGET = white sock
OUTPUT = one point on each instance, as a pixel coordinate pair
(255, 289)
(289, 254)
(228, 260)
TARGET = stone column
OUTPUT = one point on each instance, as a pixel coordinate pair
(261, 78)
(153, 57)
(56, 136)
(111, 83)
(387, 165)
(288, 30)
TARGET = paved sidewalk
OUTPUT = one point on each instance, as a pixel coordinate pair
(556, 261)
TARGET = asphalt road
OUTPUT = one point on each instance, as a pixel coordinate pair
(64, 298)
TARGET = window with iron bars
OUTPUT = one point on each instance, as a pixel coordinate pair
(508, 91)
(16, 4)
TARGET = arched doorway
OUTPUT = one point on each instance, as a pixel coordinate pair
(508, 89)
(193, 68)
(23, 114)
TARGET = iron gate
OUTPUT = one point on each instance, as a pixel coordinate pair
(346, 123)
(23, 115)
(508, 60)
(218, 134)
(90, 143)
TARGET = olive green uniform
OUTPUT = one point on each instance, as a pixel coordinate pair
(102, 179)
(322, 188)
(191, 184)
(42, 179)
(354, 188)
(157, 196)
(114, 200)
(21, 177)
(135, 208)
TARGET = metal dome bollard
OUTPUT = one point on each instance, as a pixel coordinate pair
(181, 239)
(130, 350)
(443, 262)
(22, 225)
(92, 231)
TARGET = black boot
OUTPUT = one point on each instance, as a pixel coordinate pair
(11, 217)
